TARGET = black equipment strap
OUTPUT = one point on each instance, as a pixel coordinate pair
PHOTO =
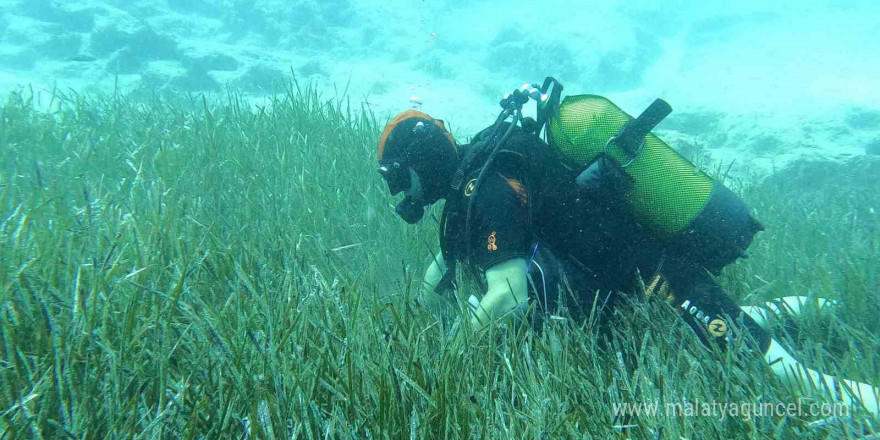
(631, 136)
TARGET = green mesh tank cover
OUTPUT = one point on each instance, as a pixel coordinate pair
(668, 191)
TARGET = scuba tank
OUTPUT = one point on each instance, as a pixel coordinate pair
(700, 219)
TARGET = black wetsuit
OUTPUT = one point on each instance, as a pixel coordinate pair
(529, 207)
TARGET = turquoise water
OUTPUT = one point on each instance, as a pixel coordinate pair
(194, 241)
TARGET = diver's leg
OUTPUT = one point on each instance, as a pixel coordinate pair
(793, 373)
(555, 282)
(786, 306)
(559, 281)
(545, 278)
(714, 315)
(709, 311)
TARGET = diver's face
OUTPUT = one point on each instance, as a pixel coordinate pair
(415, 191)
(396, 175)
(405, 179)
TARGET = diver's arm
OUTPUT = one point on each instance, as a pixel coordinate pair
(507, 290)
(427, 296)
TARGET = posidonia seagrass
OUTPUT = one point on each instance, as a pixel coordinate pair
(204, 268)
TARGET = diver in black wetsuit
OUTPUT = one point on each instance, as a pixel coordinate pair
(532, 234)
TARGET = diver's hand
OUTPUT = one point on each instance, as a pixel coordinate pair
(508, 292)
(428, 298)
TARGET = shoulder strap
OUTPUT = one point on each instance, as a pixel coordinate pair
(448, 248)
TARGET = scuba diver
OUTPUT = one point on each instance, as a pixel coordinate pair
(595, 208)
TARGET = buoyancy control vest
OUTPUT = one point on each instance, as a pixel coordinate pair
(699, 219)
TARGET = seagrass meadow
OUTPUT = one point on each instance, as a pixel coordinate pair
(197, 267)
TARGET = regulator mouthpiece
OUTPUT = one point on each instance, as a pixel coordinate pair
(410, 210)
